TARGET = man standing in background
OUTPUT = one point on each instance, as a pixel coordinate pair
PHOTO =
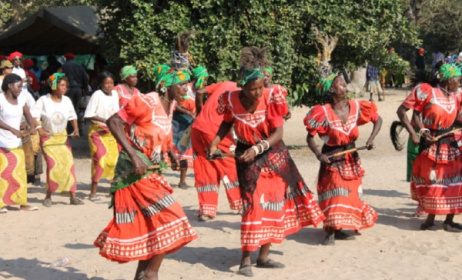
(78, 81)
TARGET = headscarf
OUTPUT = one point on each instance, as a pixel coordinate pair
(325, 84)
(200, 73)
(247, 75)
(268, 71)
(53, 80)
(447, 71)
(174, 77)
(28, 63)
(421, 51)
(160, 70)
(10, 79)
(69, 56)
(127, 70)
(13, 55)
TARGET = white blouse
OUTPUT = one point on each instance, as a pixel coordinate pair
(102, 105)
(54, 115)
(11, 115)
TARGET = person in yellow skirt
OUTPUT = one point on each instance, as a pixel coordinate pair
(54, 110)
(103, 147)
(13, 181)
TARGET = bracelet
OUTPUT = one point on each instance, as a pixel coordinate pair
(423, 130)
(38, 126)
(255, 148)
(262, 148)
(267, 143)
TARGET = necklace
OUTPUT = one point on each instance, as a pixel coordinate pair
(443, 90)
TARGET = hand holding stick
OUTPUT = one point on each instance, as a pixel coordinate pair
(348, 151)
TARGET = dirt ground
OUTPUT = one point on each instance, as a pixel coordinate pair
(394, 248)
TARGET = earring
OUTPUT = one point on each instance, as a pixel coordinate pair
(163, 89)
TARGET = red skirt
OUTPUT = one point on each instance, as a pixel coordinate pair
(272, 217)
(147, 221)
(437, 187)
(341, 201)
(209, 173)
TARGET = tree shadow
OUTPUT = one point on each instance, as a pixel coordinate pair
(308, 235)
(38, 270)
(386, 193)
(79, 246)
(217, 258)
(401, 218)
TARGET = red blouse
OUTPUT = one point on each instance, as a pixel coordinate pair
(251, 128)
(322, 120)
(438, 111)
(124, 95)
(149, 127)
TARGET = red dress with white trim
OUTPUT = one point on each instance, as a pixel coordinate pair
(209, 173)
(340, 193)
(276, 200)
(147, 220)
(436, 182)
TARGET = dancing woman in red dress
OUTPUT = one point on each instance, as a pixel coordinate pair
(436, 176)
(148, 223)
(340, 178)
(276, 200)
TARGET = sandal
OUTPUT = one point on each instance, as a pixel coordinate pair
(28, 208)
(340, 235)
(183, 186)
(269, 263)
(47, 202)
(94, 198)
(76, 201)
(452, 227)
(431, 227)
(3, 211)
(204, 218)
(329, 240)
(246, 270)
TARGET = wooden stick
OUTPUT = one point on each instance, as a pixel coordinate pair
(348, 151)
(156, 166)
(446, 134)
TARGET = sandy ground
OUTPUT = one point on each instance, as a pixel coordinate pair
(394, 248)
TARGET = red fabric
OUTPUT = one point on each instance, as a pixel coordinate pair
(272, 216)
(159, 223)
(321, 119)
(34, 85)
(261, 123)
(28, 63)
(14, 54)
(153, 126)
(69, 55)
(339, 184)
(124, 94)
(435, 182)
(209, 120)
(2, 57)
(209, 173)
(147, 220)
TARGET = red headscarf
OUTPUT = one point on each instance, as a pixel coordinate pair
(14, 54)
(69, 56)
(2, 57)
(28, 63)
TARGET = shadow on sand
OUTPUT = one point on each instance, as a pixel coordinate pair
(38, 270)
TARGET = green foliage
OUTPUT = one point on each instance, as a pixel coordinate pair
(143, 32)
